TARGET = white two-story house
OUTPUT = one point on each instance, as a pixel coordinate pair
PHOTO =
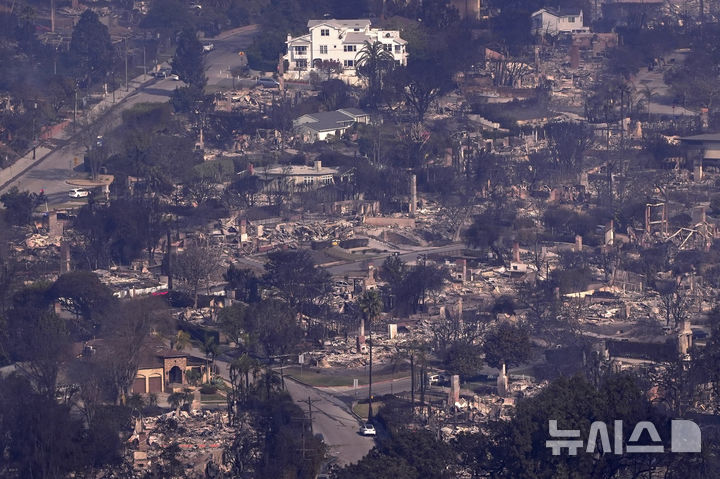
(340, 41)
(558, 21)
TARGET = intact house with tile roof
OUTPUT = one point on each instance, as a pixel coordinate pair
(340, 41)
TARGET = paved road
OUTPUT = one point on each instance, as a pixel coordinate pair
(332, 419)
(52, 173)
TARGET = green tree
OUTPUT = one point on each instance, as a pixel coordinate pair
(274, 328)
(82, 294)
(373, 62)
(235, 323)
(393, 269)
(19, 206)
(244, 282)
(507, 344)
(294, 277)
(188, 62)
(91, 49)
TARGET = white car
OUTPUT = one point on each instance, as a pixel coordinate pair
(174, 77)
(78, 193)
(209, 47)
(367, 430)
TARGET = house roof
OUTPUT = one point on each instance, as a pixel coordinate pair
(356, 37)
(707, 137)
(353, 112)
(329, 120)
(331, 22)
(301, 39)
(560, 12)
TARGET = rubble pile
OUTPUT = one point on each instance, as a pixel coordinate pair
(202, 436)
(310, 231)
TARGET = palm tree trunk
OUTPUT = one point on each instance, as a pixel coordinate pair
(412, 384)
(370, 396)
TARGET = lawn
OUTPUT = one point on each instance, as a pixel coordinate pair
(361, 409)
(212, 398)
(333, 378)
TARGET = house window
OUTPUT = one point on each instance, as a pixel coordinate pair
(325, 32)
(301, 64)
(323, 49)
(350, 48)
(301, 50)
(398, 48)
(387, 47)
(349, 63)
(571, 19)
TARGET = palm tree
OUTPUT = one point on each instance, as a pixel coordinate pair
(181, 340)
(648, 93)
(371, 63)
(210, 348)
(370, 305)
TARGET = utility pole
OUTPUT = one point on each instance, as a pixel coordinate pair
(310, 402)
(126, 65)
(75, 110)
(169, 262)
(144, 65)
(370, 395)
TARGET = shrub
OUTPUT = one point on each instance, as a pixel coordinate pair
(208, 389)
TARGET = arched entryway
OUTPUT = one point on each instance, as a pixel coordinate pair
(176, 375)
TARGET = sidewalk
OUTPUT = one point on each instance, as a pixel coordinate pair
(27, 162)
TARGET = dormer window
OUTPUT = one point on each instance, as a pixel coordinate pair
(324, 32)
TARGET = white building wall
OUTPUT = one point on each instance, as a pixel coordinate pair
(330, 43)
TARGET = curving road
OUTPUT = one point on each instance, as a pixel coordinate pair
(332, 419)
(56, 159)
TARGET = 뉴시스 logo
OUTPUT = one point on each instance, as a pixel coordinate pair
(684, 437)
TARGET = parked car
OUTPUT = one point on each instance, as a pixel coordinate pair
(78, 193)
(268, 82)
(208, 47)
(367, 430)
(174, 76)
(163, 73)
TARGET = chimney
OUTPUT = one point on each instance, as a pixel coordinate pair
(65, 255)
(413, 195)
(454, 393)
(502, 382)
(318, 165)
(578, 243)
(462, 263)
(516, 252)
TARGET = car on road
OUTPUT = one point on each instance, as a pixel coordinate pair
(208, 47)
(78, 193)
(174, 76)
(368, 430)
(268, 83)
(163, 73)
